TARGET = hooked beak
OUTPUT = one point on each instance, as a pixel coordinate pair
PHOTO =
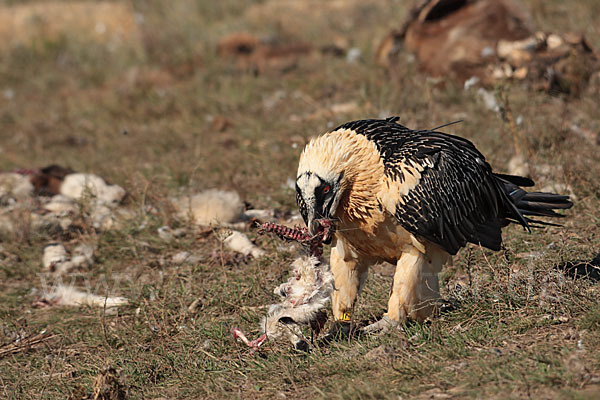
(324, 227)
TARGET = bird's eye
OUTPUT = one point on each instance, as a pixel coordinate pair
(326, 189)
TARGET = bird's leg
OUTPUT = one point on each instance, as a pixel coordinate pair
(416, 288)
(349, 274)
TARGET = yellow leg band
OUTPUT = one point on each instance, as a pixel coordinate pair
(346, 316)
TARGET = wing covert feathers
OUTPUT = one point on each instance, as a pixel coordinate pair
(456, 198)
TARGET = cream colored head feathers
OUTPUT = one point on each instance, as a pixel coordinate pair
(348, 157)
(336, 152)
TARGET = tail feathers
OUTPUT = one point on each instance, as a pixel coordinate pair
(515, 179)
(538, 204)
(543, 204)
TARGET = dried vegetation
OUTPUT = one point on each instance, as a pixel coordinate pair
(171, 107)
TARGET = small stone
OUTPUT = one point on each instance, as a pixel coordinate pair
(180, 257)
(353, 55)
(164, 232)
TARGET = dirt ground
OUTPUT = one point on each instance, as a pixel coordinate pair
(165, 108)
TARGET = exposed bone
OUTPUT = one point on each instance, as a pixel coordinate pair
(240, 243)
(518, 51)
(314, 244)
(383, 325)
(254, 344)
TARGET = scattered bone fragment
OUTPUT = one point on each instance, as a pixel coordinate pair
(554, 41)
(26, 205)
(210, 207)
(180, 257)
(69, 296)
(103, 218)
(240, 243)
(518, 52)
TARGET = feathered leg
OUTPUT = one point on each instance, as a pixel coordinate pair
(349, 274)
(416, 287)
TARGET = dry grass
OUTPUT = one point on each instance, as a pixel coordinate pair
(146, 120)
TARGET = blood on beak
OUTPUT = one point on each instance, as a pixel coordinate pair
(324, 227)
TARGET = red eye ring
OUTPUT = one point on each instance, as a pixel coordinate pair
(326, 189)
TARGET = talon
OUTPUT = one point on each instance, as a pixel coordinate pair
(340, 330)
(385, 324)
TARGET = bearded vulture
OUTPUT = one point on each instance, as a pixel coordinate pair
(413, 198)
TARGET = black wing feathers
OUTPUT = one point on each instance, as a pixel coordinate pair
(458, 198)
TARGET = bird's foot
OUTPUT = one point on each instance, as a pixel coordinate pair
(385, 324)
(340, 330)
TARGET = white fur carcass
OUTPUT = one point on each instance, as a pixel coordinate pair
(69, 296)
(304, 297)
(77, 186)
(210, 207)
(240, 243)
(14, 186)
